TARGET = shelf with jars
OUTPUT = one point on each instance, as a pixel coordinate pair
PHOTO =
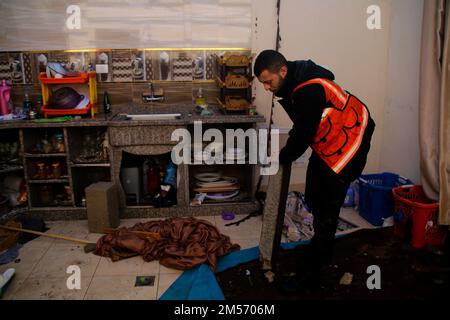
(46, 167)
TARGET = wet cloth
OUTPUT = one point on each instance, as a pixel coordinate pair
(185, 243)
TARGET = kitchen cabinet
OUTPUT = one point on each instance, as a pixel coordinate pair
(61, 162)
(96, 150)
(12, 189)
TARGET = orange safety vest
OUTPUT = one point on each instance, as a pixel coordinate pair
(344, 120)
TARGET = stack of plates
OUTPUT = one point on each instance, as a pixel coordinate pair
(222, 196)
(213, 183)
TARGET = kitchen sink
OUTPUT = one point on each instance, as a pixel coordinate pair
(150, 116)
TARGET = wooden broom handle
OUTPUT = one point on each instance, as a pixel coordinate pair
(154, 235)
(50, 235)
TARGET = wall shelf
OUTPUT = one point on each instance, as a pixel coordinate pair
(12, 169)
(48, 181)
(87, 165)
(44, 155)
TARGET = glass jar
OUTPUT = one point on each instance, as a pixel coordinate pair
(46, 146)
(56, 170)
(45, 195)
(40, 170)
(59, 143)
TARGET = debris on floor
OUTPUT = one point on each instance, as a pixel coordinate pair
(184, 244)
(298, 220)
(346, 279)
(142, 281)
(404, 272)
(270, 276)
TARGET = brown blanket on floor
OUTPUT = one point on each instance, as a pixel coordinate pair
(184, 244)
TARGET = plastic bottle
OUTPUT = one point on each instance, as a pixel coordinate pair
(200, 100)
(106, 103)
(152, 179)
(27, 105)
(5, 98)
(38, 106)
(171, 174)
(349, 198)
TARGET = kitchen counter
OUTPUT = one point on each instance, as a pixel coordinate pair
(115, 119)
(140, 139)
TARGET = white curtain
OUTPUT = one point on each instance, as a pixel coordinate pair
(434, 111)
(48, 24)
(444, 128)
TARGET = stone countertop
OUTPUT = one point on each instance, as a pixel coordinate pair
(98, 120)
(115, 119)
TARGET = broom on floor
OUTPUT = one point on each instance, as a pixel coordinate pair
(89, 245)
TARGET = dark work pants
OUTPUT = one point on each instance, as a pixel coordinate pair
(325, 193)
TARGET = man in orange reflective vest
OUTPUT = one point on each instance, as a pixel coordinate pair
(338, 128)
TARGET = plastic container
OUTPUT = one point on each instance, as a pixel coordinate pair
(5, 98)
(375, 196)
(88, 78)
(27, 104)
(349, 198)
(416, 217)
(171, 174)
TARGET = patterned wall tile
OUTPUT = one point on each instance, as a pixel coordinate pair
(161, 63)
(182, 66)
(89, 60)
(16, 67)
(27, 67)
(104, 57)
(210, 67)
(76, 61)
(148, 65)
(198, 65)
(138, 65)
(121, 66)
(4, 66)
(58, 56)
(40, 62)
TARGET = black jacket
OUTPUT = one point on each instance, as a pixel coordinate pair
(306, 112)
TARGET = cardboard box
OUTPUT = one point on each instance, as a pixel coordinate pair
(102, 203)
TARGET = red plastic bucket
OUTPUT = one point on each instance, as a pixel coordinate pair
(414, 209)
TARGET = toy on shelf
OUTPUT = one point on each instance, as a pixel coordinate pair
(66, 100)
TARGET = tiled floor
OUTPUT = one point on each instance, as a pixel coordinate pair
(42, 273)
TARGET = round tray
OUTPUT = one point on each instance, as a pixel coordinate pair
(222, 196)
(207, 177)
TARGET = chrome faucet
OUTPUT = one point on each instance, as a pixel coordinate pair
(152, 97)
